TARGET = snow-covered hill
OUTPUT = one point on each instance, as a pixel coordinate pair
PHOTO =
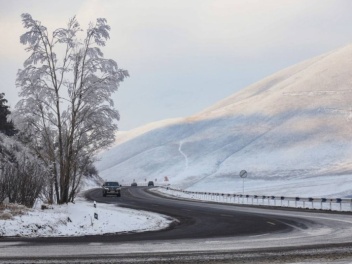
(291, 131)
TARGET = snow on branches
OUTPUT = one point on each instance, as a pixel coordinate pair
(66, 106)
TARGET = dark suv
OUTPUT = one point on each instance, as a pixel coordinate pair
(150, 183)
(111, 188)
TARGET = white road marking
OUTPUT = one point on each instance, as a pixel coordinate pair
(227, 215)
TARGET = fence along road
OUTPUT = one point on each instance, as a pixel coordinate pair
(336, 204)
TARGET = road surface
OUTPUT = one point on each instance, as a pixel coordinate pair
(201, 233)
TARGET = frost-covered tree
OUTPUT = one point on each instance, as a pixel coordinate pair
(66, 107)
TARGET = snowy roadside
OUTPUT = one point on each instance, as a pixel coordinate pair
(78, 220)
(229, 198)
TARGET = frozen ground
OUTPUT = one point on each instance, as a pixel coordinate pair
(77, 220)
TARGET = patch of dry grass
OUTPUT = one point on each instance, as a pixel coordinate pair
(8, 211)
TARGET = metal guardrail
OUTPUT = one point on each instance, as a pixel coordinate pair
(338, 204)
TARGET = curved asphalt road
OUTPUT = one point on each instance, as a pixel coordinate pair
(217, 231)
(194, 219)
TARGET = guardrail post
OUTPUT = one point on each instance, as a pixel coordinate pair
(323, 200)
(296, 199)
(330, 204)
(273, 198)
(338, 200)
(311, 200)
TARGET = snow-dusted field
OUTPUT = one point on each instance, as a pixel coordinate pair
(292, 132)
(78, 220)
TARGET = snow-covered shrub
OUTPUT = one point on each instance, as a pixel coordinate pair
(22, 175)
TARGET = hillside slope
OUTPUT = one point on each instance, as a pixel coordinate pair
(290, 131)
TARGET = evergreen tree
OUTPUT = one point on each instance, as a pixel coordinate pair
(6, 127)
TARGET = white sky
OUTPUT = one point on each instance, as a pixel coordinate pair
(185, 55)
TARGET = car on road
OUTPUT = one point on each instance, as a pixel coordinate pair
(111, 187)
(134, 184)
(150, 183)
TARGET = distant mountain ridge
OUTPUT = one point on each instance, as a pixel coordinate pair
(292, 132)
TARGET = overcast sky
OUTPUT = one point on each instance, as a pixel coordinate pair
(185, 55)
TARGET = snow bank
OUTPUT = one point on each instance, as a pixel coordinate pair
(78, 220)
